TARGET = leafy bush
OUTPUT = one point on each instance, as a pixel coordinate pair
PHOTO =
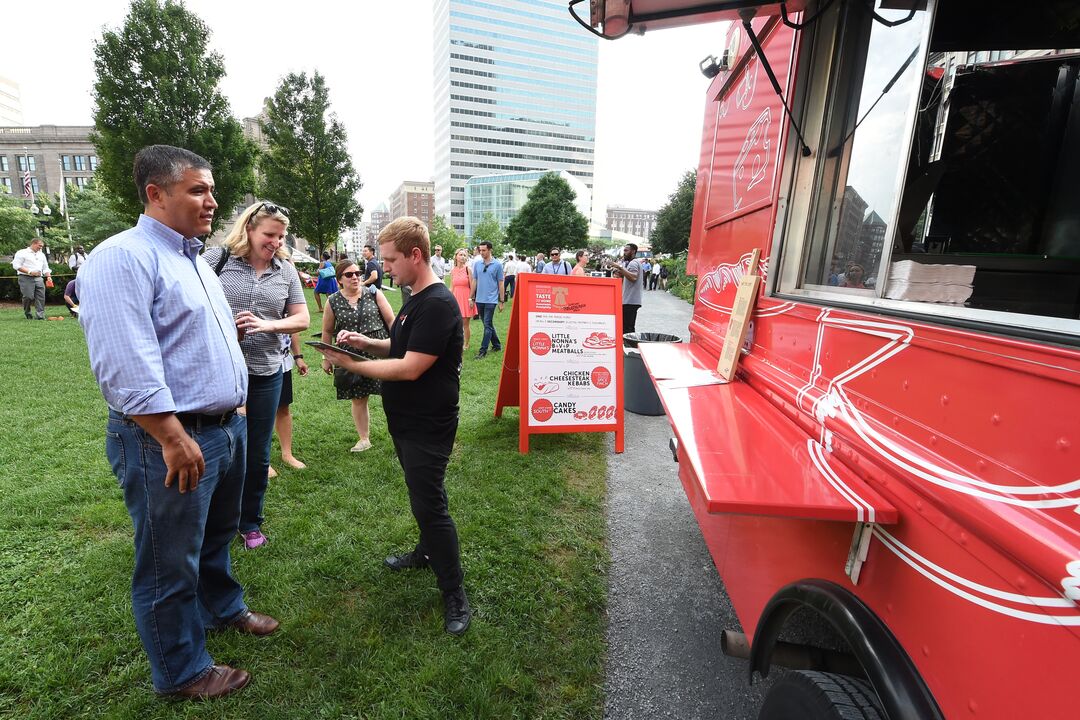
(9, 284)
(679, 283)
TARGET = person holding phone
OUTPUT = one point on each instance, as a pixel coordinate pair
(357, 308)
(267, 298)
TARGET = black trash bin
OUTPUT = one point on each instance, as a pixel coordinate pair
(639, 393)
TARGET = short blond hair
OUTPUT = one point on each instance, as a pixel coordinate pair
(407, 233)
(237, 241)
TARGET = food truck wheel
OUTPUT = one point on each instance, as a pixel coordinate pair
(812, 695)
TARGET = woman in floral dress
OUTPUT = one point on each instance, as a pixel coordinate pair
(357, 308)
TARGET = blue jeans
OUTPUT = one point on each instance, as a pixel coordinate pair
(487, 313)
(182, 582)
(264, 391)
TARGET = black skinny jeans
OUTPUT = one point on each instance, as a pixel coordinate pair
(424, 460)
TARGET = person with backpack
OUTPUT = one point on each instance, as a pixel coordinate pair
(557, 266)
(664, 273)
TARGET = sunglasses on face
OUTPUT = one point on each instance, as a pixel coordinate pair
(351, 274)
(554, 255)
(270, 208)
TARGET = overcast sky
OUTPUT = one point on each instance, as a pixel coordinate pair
(377, 59)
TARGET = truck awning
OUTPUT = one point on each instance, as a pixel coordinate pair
(615, 18)
(747, 457)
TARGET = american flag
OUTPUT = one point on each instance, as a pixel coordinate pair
(26, 187)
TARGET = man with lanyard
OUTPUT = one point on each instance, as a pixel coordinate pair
(632, 278)
(164, 350)
(487, 290)
(32, 265)
(439, 264)
(557, 266)
(421, 383)
(372, 272)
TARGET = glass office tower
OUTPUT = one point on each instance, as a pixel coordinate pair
(515, 91)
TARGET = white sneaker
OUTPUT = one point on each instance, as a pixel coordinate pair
(361, 446)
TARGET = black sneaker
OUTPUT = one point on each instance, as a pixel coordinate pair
(481, 355)
(414, 560)
(456, 612)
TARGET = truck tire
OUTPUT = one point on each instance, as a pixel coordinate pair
(811, 695)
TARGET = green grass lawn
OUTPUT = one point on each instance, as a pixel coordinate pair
(356, 640)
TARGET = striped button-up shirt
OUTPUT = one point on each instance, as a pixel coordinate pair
(159, 331)
(266, 296)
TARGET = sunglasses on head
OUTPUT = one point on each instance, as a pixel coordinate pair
(271, 208)
(351, 274)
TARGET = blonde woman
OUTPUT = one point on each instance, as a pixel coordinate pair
(267, 300)
(460, 286)
(363, 309)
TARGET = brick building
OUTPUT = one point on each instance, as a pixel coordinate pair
(47, 152)
(413, 198)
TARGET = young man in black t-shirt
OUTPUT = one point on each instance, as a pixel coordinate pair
(372, 272)
(421, 381)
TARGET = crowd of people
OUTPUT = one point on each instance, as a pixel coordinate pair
(194, 354)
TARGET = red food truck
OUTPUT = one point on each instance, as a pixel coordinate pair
(892, 478)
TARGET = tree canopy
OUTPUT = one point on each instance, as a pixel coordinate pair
(307, 166)
(157, 83)
(92, 217)
(549, 217)
(489, 230)
(445, 236)
(16, 224)
(672, 231)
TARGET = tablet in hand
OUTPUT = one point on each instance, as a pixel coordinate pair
(321, 346)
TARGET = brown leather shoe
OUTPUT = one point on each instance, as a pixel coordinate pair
(254, 623)
(220, 681)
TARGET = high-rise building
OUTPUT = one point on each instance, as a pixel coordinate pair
(10, 102)
(380, 218)
(413, 198)
(502, 195)
(631, 220)
(515, 91)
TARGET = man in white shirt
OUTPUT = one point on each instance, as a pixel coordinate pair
(76, 259)
(32, 266)
(510, 270)
(438, 263)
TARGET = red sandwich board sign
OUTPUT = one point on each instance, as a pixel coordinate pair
(563, 365)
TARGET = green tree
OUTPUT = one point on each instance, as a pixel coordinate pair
(307, 166)
(157, 83)
(92, 217)
(672, 231)
(442, 234)
(489, 230)
(548, 218)
(17, 225)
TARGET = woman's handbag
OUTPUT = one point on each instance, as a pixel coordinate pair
(326, 272)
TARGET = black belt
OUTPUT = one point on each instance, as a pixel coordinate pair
(199, 419)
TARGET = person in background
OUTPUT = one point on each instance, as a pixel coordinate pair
(556, 265)
(71, 298)
(582, 262)
(487, 292)
(664, 274)
(510, 269)
(646, 268)
(461, 279)
(283, 422)
(327, 285)
(439, 265)
(32, 266)
(654, 274)
(267, 301)
(373, 273)
(538, 266)
(421, 386)
(853, 277)
(77, 258)
(164, 351)
(355, 308)
(629, 269)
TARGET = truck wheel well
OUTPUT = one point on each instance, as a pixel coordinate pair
(887, 667)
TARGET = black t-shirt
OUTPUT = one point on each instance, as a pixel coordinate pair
(429, 323)
(373, 265)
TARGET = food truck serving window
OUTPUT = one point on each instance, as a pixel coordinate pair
(943, 181)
